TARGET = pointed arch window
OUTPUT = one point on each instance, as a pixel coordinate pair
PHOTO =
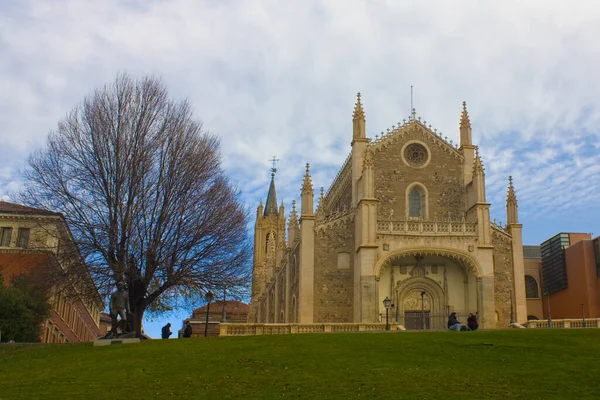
(416, 202)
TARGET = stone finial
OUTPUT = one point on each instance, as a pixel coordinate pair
(464, 118)
(307, 186)
(359, 112)
(293, 213)
(511, 196)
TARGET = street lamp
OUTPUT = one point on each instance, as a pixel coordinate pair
(387, 303)
(209, 298)
(547, 294)
(423, 310)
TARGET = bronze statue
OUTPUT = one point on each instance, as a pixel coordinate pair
(119, 306)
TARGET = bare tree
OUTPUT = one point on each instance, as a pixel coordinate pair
(141, 186)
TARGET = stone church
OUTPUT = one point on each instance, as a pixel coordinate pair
(406, 218)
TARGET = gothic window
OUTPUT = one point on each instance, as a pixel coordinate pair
(416, 154)
(415, 202)
(531, 287)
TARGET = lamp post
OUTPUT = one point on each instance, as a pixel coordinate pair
(583, 315)
(512, 309)
(223, 312)
(547, 294)
(423, 310)
(387, 303)
(209, 298)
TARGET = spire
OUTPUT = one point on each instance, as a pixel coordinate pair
(358, 121)
(512, 209)
(359, 113)
(465, 127)
(271, 205)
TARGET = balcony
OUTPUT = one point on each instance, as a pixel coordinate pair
(428, 228)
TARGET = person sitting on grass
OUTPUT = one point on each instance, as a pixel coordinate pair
(472, 322)
(166, 331)
(187, 332)
(453, 323)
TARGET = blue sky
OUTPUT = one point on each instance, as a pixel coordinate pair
(280, 78)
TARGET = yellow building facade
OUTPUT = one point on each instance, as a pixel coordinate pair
(406, 218)
(39, 242)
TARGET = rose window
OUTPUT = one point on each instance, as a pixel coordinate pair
(415, 154)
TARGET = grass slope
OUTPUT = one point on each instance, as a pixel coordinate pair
(532, 364)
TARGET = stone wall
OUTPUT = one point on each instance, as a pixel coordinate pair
(334, 260)
(503, 276)
(293, 264)
(442, 177)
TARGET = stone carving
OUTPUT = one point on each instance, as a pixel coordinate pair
(412, 302)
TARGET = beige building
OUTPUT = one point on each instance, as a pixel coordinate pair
(39, 242)
(405, 218)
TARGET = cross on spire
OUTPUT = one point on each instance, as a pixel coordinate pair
(274, 160)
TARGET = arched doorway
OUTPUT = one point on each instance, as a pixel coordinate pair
(425, 288)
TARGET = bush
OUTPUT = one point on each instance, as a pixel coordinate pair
(23, 308)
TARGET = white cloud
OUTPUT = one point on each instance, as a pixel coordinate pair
(280, 78)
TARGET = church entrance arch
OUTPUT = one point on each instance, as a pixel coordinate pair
(420, 303)
(425, 288)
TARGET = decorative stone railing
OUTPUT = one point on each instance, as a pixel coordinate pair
(428, 228)
(564, 323)
(282, 329)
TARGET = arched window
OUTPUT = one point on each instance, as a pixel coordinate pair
(531, 287)
(415, 203)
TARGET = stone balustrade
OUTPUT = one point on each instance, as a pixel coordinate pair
(228, 329)
(564, 323)
(428, 228)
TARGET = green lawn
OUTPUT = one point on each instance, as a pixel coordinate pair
(528, 364)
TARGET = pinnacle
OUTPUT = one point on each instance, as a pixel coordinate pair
(464, 118)
(511, 190)
(359, 113)
(307, 184)
(478, 164)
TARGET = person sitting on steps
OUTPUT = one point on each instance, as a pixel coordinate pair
(453, 323)
(472, 322)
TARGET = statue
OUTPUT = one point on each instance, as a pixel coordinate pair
(119, 307)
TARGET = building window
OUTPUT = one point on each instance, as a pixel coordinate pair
(415, 203)
(531, 287)
(23, 238)
(6, 236)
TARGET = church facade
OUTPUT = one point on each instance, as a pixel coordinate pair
(407, 219)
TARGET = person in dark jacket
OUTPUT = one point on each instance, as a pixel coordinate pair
(472, 322)
(166, 331)
(187, 332)
(453, 323)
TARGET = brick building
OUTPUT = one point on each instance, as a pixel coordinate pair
(220, 311)
(39, 242)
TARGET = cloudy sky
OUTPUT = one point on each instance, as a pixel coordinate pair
(280, 78)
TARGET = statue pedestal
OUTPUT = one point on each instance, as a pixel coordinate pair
(108, 342)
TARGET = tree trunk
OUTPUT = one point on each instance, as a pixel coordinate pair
(138, 314)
